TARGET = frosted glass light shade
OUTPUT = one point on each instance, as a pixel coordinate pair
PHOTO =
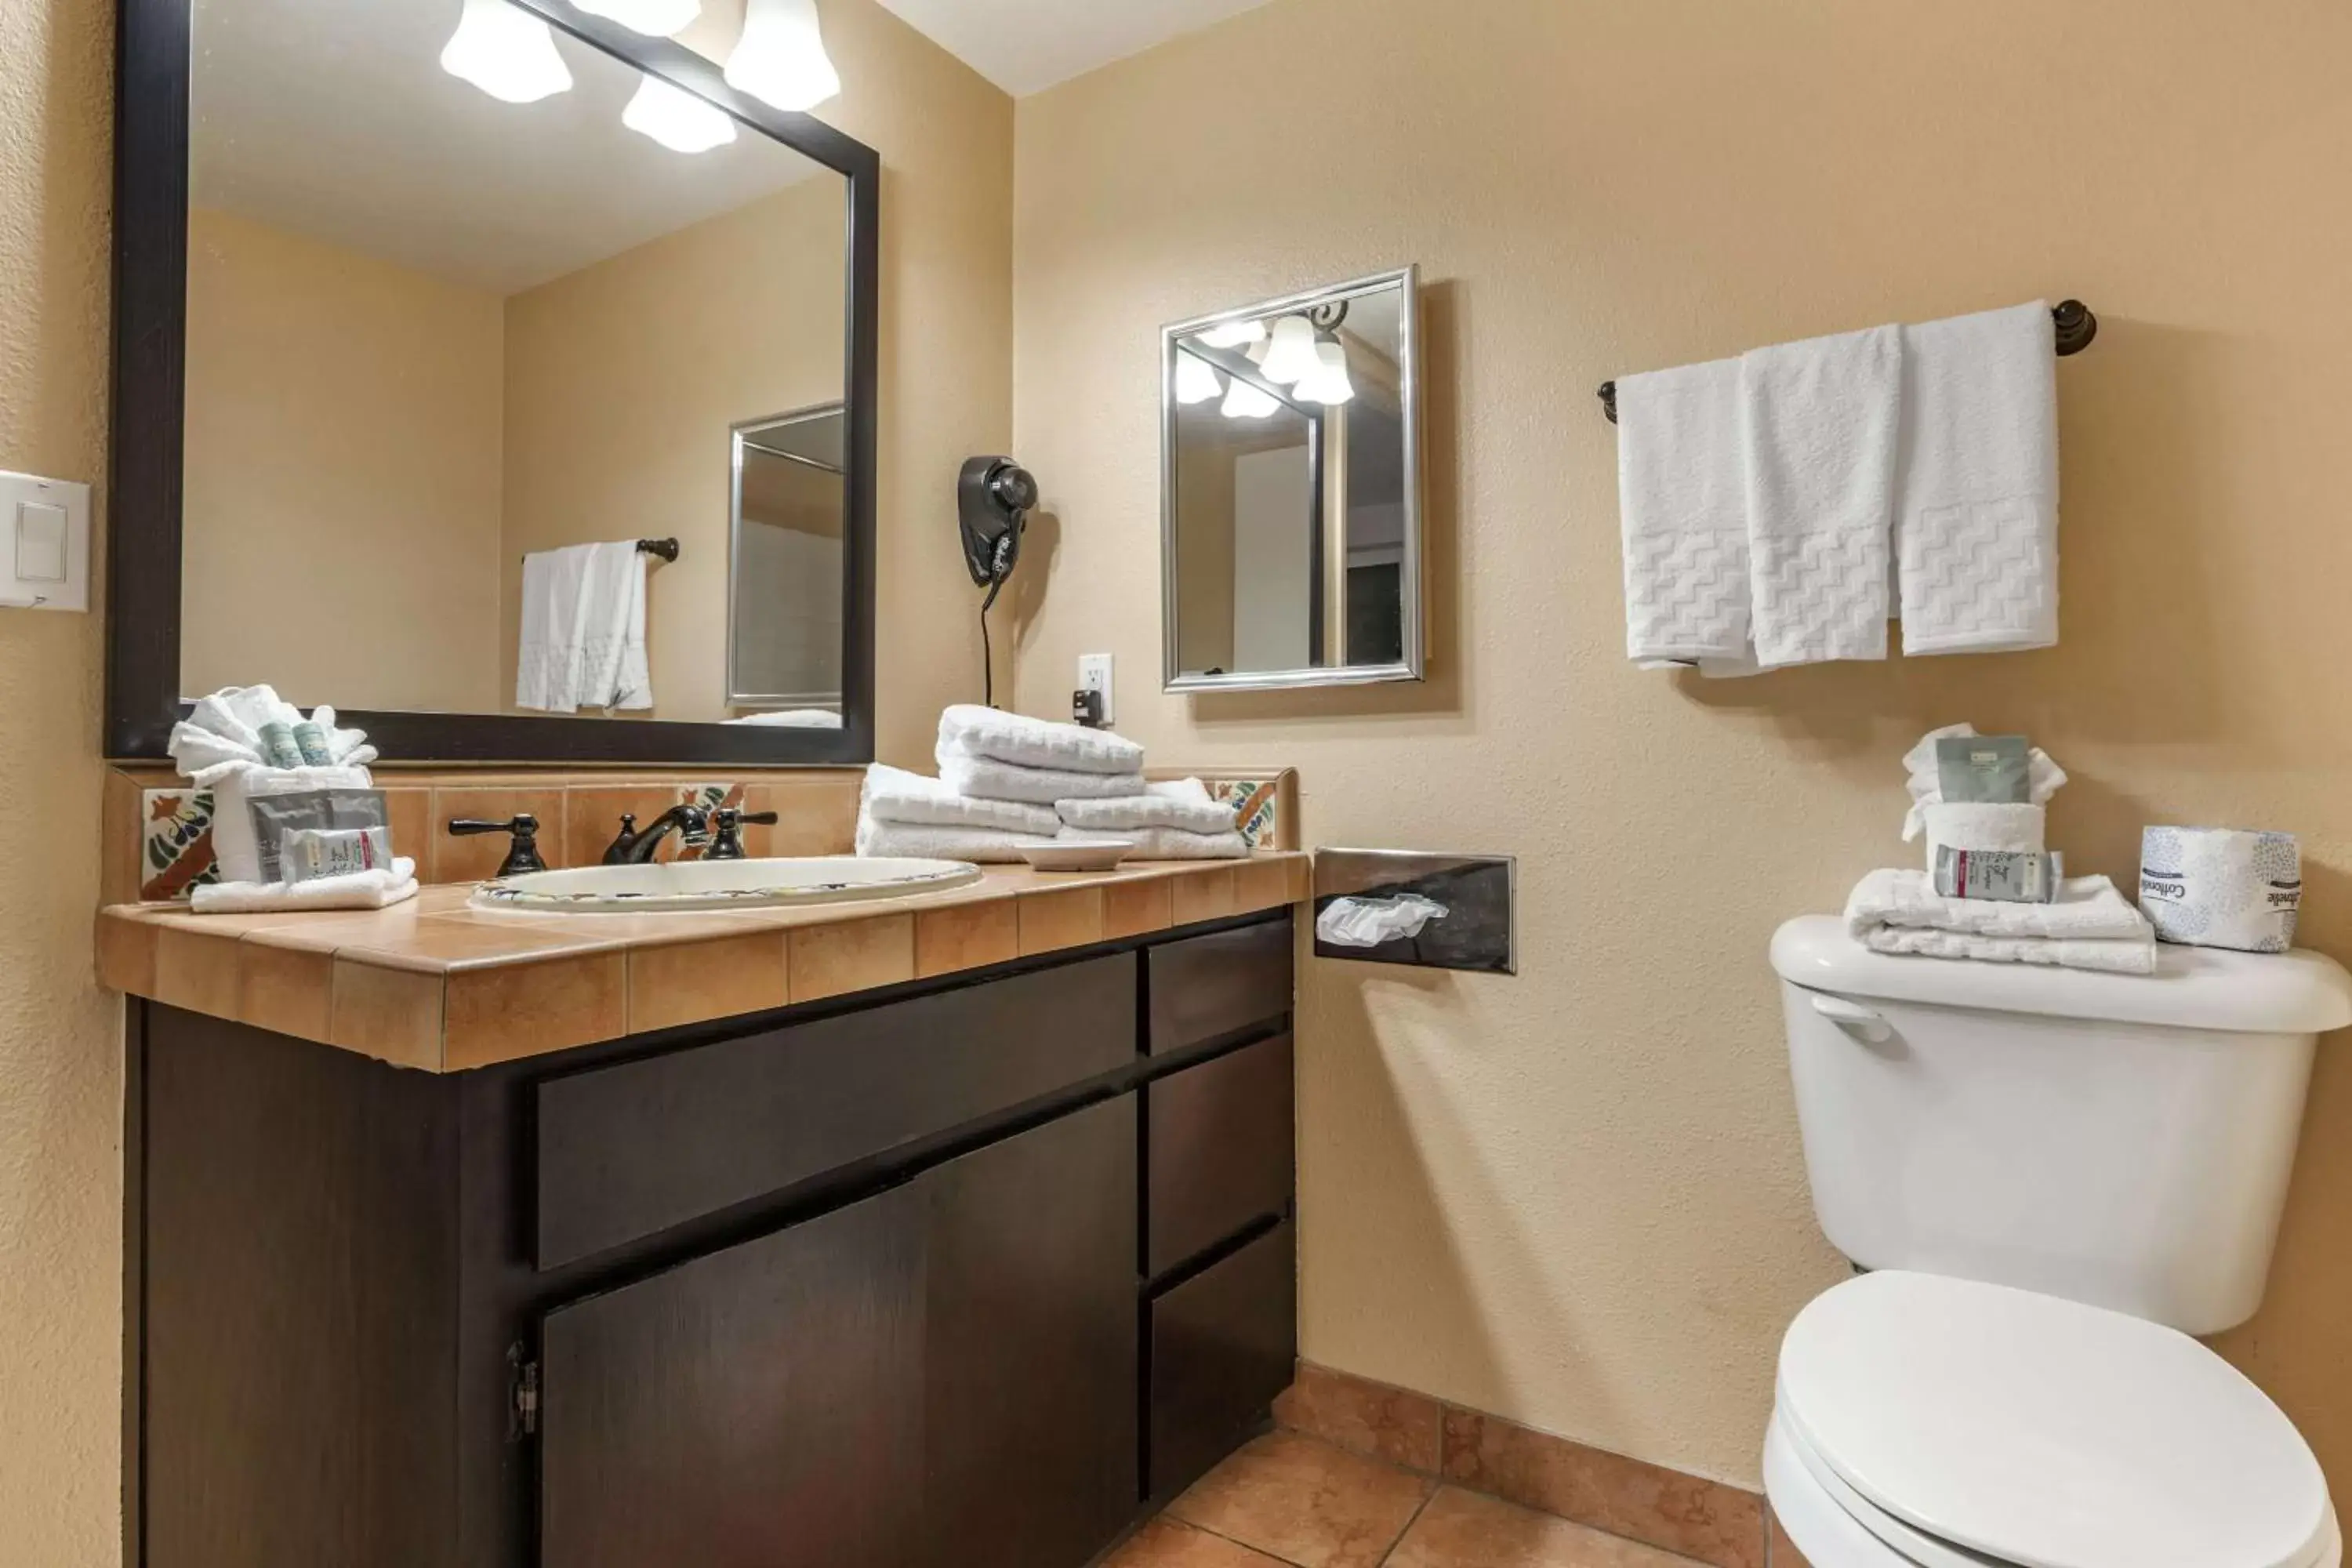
(1291, 355)
(655, 19)
(1328, 383)
(507, 52)
(780, 59)
(1234, 334)
(1243, 401)
(1195, 380)
(676, 118)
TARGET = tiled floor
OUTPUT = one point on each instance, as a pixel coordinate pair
(1294, 1501)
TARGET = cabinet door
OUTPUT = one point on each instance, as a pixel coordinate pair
(1223, 1343)
(948, 1368)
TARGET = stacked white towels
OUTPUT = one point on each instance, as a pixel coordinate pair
(1009, 784)
(2088, 926)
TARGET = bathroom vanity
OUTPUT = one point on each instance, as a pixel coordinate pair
(965, 1266)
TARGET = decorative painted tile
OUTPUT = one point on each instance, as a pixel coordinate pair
(175, 843)
(710, 797)
(1254, 806)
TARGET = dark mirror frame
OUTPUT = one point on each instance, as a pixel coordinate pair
(151, 292)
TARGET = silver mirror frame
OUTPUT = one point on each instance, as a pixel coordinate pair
(1414, 639)
(736, 696)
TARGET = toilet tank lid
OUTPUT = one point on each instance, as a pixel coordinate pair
(2296, 993)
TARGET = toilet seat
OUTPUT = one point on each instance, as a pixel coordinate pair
(1954, 1424)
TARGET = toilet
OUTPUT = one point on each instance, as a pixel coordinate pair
(2049, 1182)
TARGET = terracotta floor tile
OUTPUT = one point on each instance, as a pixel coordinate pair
(1705, 1519)
(1306, 1502)
(1467, 1529)
(1164, 1543)
(1364, 1417)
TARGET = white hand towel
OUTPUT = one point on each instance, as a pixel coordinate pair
(1682, 501)
(988, 779)
(375, 889)
(919, 841)
(1976, 523)
(894, 795)
(792, 719)
(613, 669)
(1819, 426)
(1184, 805)
(1036, 742)
(548, 662)
(2089, 927)
(1168, 843)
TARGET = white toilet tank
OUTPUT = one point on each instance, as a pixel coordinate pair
(2119, 1140)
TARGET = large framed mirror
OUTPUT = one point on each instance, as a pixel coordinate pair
(1290, 492)
(451, 340)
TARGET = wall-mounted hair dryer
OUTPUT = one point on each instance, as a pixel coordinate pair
(994, 498)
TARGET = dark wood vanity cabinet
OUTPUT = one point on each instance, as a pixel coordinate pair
(971, 1272)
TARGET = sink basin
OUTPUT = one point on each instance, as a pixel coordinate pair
(719, 884)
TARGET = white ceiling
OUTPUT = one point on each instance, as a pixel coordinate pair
(1026, 45)
(334, 119)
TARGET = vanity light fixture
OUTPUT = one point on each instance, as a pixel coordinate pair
(1195, 380)
(1327, 384)
(1243, 401)
(507, 52)
(1234, 334)
(1291, 354)
(780, 59)
(676, 118)
(655, 19)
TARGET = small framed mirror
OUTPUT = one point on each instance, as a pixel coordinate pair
(784, 567)
(1290, 492)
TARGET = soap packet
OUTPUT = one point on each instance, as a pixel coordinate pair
(308, 853)
(1989, 770)
(275, 816)
(2004, 875)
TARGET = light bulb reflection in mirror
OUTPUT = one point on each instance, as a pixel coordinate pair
(507, 52)
(1327, 384)
(1196, 382)
(676, 118)
(1243, 401)
(1234, 334)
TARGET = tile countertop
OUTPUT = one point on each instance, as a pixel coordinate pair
(434, 984)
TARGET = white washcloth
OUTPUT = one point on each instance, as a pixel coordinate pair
(1975, 520)
(792, 719)
(2044, 776)
(988, 779)
(1036, 742)
(1184, 805)
(909, 841)
(2089, 926)
(548, 662)
(894, 795)
(614, 671)
(1682, 502)
(1168, 843)
(1819, 426)
(375, 889)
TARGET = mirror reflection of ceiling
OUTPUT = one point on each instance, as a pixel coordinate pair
(289, 96)
(1027, 46)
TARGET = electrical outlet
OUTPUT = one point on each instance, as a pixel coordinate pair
(1094, 675)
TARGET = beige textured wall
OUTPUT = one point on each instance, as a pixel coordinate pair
(60, 1075)
(1576, 1196)
(622, 380)
(342, 475)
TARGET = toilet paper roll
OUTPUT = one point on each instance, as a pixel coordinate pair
(2221, 887)
(1984, 824)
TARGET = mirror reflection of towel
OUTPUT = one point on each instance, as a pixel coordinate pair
(584, 629)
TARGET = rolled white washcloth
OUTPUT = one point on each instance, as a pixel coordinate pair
(1984, 824)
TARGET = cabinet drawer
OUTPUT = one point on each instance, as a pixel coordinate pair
(627, 1150)
(1223, 1343)
(1220, 1141)
(1204, 986)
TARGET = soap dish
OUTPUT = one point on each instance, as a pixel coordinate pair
(1082, 855)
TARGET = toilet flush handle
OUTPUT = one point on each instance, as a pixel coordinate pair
(1864, 1023)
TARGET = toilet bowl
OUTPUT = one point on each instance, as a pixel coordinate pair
(1953, 1424)
(2058, 1178)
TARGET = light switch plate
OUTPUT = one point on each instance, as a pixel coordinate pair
(1094, 675)
(44, 554)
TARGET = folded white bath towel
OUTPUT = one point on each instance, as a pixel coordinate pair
(911, 840)
(1976, 517)
(1819, 426)
(1182, 803)
(894, 795)
(990, 778)
(1028, 742)
(792, 719)
(1682, 503)
(1168, 843)
(2089, 926)
(375, 889)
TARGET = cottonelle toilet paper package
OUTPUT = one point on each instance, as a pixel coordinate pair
(2220, 886)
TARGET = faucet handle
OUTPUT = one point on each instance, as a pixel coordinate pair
(727, 834)
(522, 854)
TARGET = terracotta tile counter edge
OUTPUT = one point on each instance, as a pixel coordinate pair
(437, 986)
